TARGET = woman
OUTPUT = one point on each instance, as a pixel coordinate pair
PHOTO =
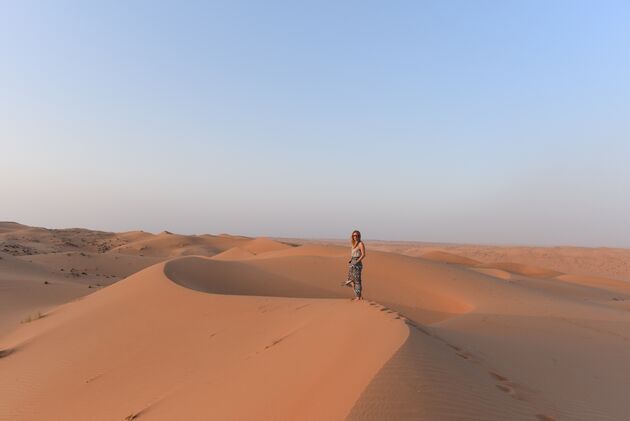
(356, 266)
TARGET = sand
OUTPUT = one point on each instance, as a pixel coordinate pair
(234, 328)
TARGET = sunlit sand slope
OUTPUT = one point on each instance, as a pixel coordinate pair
(258, 329)
(151, 349)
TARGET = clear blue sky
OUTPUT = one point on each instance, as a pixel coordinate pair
(457, 121)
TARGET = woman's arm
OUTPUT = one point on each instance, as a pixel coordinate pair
(362, 250)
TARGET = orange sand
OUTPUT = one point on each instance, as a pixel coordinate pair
(260, 329)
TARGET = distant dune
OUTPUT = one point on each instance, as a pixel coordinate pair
(613, 263)
(235, 253)
(264, 245)
(261, 329)
(445, 257)
(520, 269)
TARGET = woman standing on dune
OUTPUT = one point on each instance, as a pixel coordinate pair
(356, 256)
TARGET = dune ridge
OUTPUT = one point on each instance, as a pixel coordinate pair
(235, 253)
(605, 262)
(261, 329)
(218, 347)
(41, 268)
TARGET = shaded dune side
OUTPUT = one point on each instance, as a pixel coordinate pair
(409, 285)
(237, 278)
(429, 380)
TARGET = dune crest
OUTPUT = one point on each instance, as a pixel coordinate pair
(235, 253)
(203, 354)
(445, 257)
(496, 273)
(225, 334)
(264, 245)
(520, 269)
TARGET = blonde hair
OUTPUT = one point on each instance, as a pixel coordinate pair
(358, 240)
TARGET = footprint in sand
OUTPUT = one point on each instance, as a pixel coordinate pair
(505, 385)
(5, 352)
(498, 377)
(505, 389)
(463, 355)
(456, 348)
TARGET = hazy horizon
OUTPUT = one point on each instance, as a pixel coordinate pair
(322, 239)
(456, 122)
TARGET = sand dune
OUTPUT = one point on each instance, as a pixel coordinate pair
(171, 245)
(307, 250)
(11, 226)
(236, 278)
(235, 253)
(12, 267)
(520, 269)
(445, 257)
(612, 263)
(202, 356)
(89, 268)
(28, 289)
(597, 282)
(496, 273)
(264, 245)
(260, 329)
(167, 244)
(78, 261)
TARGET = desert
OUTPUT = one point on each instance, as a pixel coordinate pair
(314, 211)
(167, 326)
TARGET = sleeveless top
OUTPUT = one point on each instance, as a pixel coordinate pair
(356, 251)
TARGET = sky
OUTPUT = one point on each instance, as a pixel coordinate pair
(493, 122)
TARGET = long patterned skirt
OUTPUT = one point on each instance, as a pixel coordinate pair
(354, 275)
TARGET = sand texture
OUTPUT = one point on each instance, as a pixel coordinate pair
(167, 326)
